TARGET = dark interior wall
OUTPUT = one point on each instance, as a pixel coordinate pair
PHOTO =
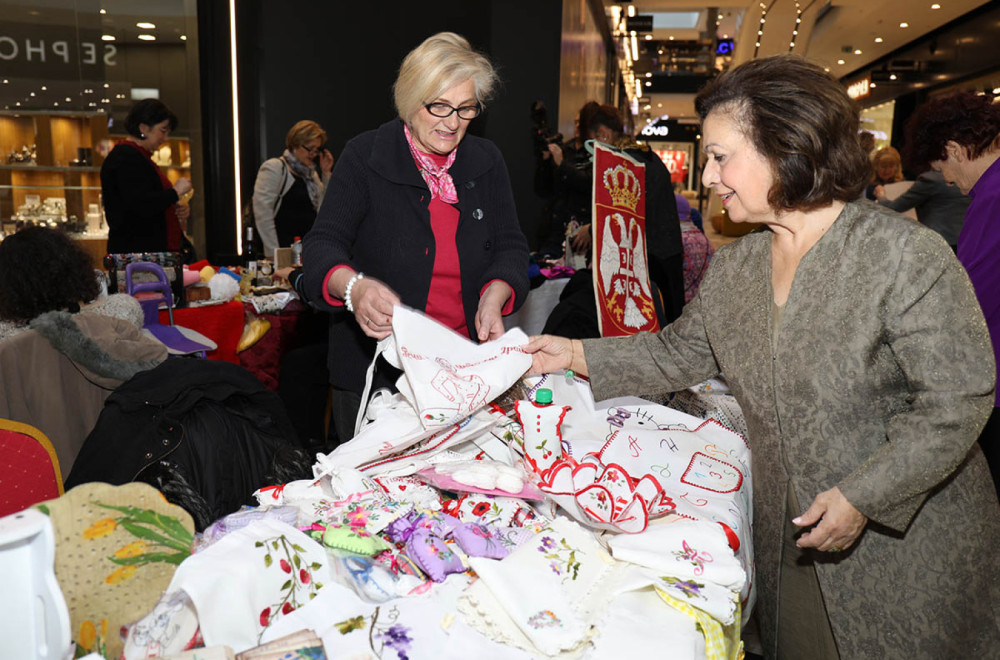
(335, 63)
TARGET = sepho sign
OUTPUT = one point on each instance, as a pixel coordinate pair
(54, 52)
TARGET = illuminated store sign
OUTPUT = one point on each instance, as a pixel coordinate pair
(860, 89)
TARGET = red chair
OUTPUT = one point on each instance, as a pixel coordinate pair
(29, 469)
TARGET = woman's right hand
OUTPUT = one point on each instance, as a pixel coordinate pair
(550, 353)
(373, 301)
(182, 187)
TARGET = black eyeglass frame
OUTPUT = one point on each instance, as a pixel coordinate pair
(452, 110)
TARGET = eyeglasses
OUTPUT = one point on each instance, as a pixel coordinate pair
(312, 151)
(443, 110)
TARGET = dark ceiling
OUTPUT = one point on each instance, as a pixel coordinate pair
(964, 49)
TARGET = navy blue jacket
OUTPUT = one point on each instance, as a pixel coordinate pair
(375, 218)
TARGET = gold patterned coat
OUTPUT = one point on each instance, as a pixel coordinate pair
(880, 383)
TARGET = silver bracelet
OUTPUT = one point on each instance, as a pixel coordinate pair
(347, 292)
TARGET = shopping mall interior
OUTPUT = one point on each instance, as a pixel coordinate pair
(238, 74)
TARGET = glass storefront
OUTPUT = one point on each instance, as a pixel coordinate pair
(70, 70)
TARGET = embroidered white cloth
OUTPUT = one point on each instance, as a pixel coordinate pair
(702, 466)
(447, 381)
(547, 586)
(249, 579)
(683, 549)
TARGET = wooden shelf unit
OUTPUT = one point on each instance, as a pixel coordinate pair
(56, 137)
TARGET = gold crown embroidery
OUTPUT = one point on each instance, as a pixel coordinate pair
(623, 186)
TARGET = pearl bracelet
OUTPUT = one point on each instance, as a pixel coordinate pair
(347, 292)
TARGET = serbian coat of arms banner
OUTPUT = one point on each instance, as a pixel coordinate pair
(621, 276)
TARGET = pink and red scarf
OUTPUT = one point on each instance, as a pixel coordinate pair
(436, 176)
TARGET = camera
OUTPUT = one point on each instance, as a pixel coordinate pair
(543, 135)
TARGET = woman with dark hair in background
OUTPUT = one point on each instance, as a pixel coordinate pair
(417, 213)
(140, 203)
(959, 136)
(852, 341)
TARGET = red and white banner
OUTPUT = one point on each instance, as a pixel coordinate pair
(621, 276)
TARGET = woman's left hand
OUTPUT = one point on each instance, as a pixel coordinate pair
(839, 523)
(489, 320)
(325, 162)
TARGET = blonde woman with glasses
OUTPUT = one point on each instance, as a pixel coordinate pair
(420, 213)
(289, 190)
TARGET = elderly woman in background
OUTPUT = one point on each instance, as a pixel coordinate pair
(288, 190)
(959, 136)
(140, 203)
(419, 213)
(851, 339)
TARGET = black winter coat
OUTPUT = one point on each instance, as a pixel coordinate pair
(213, 422)
(135, 202)
(375, 219)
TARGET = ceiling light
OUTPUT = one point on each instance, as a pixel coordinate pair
(659, 105)
(892, 76)
(55, 103)
(68, 99)
(107, 37)
(996, 90)
(44, 88)
(5, 81)
(147, 37)
(106, 85)
(649, 37)
(146, 25)
(649, 84)
(631, 10)
(878, 40)
(857, 51)
(184, 37)
(647, 107)
(871, 85)
(649, 74)
(935, 6)
(671, 37)
(32, 94)
(104, 11)
(904, 25)
(840, 61)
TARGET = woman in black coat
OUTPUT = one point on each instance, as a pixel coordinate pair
(140, 203)
(417, 213)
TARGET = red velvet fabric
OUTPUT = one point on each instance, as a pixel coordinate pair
(263, 359)
(223, 324)
(28, 473)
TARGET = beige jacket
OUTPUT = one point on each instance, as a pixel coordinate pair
(57, 374)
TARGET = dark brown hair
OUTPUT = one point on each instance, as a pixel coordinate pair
(970, 119)
(800, 119)
(41, 270)
(150, 112)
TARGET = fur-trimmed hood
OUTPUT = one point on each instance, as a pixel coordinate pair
(105, 346)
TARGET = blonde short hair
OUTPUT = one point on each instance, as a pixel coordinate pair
(304, 131)
(438, 64)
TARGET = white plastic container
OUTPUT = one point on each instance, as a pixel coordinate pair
(34, 621)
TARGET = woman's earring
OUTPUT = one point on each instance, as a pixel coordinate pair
(142, 136)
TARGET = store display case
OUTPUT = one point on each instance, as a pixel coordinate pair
(50, 165)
